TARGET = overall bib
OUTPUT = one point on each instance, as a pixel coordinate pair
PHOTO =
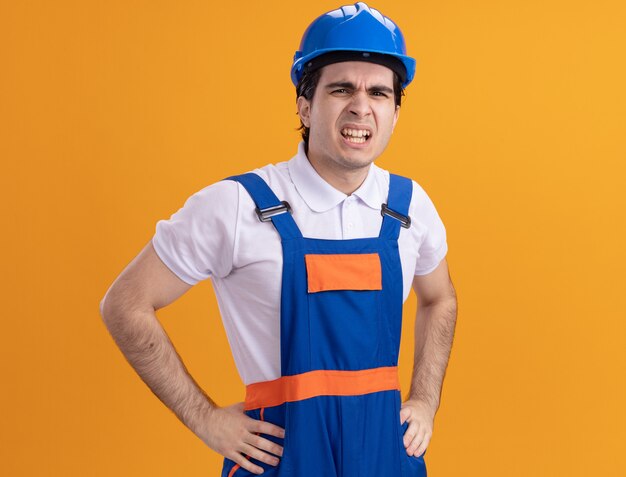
(338, 397)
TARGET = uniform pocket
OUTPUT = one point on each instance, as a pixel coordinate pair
(275, 415)
(411, 466)
(344, 299)
(345, 330)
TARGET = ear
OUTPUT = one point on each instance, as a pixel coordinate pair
(396, 115)
(304, 110)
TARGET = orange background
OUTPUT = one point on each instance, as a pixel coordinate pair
(113, 113)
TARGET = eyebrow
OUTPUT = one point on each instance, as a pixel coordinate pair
(349, 85)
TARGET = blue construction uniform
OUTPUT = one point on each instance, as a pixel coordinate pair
(330, 336)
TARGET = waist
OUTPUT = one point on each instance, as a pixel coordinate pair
(321, 383)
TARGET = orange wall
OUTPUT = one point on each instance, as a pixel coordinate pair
(113, 113)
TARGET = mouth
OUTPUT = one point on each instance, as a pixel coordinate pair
(356, 135)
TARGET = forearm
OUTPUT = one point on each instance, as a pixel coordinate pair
(434, 333)
(148, 349)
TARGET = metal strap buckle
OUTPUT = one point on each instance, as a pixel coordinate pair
(405, 220)
(265, 215)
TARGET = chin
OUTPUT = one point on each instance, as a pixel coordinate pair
(357, 162)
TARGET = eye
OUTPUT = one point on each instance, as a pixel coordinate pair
(340, 91)
(379, 94)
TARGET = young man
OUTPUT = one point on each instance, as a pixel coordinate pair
(311, 261)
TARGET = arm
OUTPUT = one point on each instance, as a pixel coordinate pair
(128, 311)
(434, 332)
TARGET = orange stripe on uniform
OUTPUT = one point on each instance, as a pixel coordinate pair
(356, 271)
(233, 470)
(320, 383)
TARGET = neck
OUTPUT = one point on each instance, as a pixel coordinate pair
(344, 179)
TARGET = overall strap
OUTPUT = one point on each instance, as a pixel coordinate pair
(268, 207)
(396, 211)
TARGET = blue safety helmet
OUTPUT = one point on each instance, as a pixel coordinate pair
(353, 32)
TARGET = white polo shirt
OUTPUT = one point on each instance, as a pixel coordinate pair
(217, 235)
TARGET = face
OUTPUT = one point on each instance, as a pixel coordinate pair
(351, 115)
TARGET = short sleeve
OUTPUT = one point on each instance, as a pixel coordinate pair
(433, 247)
(197, 241)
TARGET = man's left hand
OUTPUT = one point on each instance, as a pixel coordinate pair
(420, 430)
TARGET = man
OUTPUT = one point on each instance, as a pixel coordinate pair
(311, 261)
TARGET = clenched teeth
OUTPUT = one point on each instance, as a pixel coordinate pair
(355, 132)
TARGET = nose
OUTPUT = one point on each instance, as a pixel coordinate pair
(360, 104)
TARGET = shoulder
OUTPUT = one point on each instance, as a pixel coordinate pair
(275, 175)
(221, 190)
(422, 210)
(419, 196)
(228, 190)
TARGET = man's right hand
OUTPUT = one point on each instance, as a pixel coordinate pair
(129, 312)
(232, 433)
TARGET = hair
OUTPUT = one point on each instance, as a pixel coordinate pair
(308, 84)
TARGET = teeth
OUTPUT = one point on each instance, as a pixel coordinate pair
(357, 140)
(355, 132)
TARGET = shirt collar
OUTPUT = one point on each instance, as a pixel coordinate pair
(319, 195)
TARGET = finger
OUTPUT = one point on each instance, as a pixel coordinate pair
(415, 443)
(410, 433)
(244, 463)
(258, 454)
(264, 427)
(419, 444)
(405, 413)
(422, 448)
(265, 444)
